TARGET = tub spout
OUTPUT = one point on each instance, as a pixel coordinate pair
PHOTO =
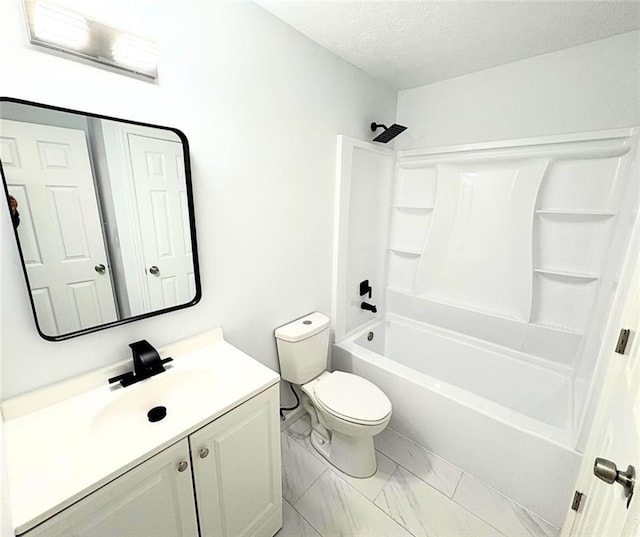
(369, 307)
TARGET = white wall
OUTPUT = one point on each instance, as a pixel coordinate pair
(584, 88)
(261, 106)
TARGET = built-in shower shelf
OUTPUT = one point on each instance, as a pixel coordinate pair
(405, 251)
(562, 212)
(569, 275)
(413, 207)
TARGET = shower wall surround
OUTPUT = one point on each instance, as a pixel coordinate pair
(518, 243)
(362, 205)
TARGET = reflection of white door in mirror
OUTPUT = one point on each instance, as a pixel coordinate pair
(158, 175)
(60, 229)
(149, 194)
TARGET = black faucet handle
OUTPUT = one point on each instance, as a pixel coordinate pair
(145, 356)
(121, 378)
(365, 288)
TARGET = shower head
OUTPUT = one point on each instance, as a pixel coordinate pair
(389, 133)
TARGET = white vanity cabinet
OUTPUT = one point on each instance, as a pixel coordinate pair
(153, 499)
(236, 470)
(226, 476)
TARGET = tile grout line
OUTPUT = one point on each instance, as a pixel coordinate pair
(339, 473)
(304, 518)
(502, 497)
(383, 511)
(452, 500)
(455, 489)
(310, 485)
(372, 502)
(357, 492)
(425, 481)
(462, 473)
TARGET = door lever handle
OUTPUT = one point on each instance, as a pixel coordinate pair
(608, 472)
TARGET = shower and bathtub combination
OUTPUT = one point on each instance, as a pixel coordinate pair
(496, 270)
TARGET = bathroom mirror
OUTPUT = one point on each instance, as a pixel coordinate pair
(102, 210)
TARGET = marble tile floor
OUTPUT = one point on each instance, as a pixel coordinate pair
(413, 493)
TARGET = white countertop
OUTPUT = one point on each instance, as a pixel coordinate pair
(64, 442)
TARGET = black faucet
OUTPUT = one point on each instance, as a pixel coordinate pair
(146, 363)
(369, 307)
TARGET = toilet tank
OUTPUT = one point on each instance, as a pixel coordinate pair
(303, 348)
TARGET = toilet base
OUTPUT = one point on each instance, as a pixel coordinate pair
(355, 456)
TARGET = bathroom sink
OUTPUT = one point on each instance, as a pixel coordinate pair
(126, 415)
(64, 442)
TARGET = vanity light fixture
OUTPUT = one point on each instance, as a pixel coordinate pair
(135, 52)
(69, 34)
(57, 25)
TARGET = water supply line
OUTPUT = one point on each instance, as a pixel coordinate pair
(284, 409)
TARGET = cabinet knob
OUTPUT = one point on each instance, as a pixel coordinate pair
(204, 453)
(182, 466)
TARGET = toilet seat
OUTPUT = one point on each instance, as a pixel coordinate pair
(352, 398)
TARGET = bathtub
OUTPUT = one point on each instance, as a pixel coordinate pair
(447, 396)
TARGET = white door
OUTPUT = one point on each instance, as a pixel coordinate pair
(616, 437)
(48, 171)
(236, 470)
(154, 499)
(161, 197)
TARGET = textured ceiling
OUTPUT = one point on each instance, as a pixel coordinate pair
(411, 43)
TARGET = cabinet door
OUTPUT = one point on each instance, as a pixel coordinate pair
(152, 499)
(236, 469)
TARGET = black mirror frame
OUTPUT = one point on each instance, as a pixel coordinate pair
(192, 225)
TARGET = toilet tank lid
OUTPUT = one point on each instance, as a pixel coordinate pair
(303, 328)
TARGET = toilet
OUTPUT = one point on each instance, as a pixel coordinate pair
(346, 410)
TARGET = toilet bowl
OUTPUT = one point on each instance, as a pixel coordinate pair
(346, 410)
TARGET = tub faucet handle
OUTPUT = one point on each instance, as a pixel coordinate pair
(365, 288)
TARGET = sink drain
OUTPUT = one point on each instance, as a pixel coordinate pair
(157, 413)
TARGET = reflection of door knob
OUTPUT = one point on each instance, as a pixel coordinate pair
(100, 268)
(609, 473)
(154, 270)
